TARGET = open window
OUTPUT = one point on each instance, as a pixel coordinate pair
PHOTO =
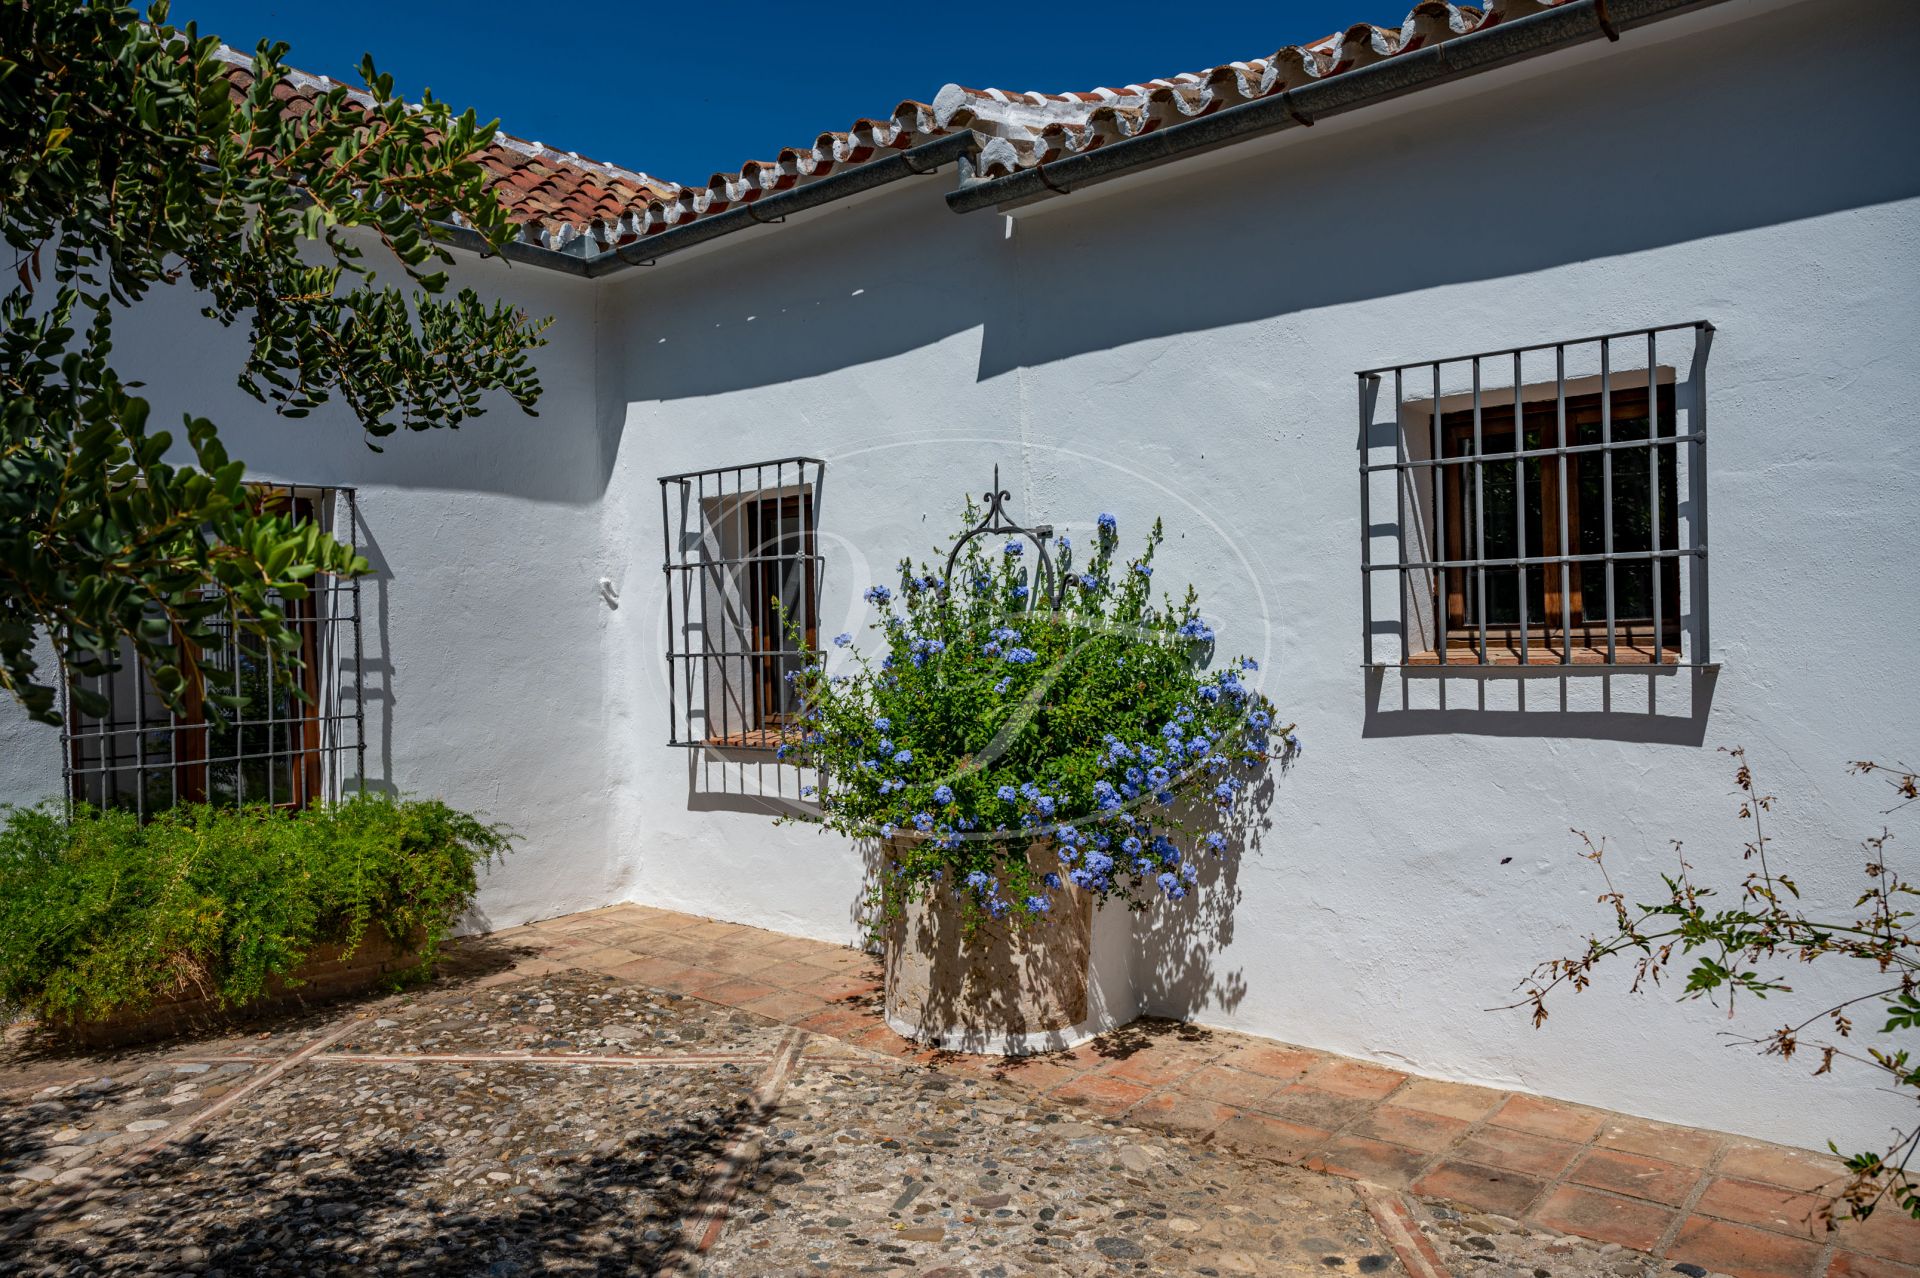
(743, 578)
(288, 744)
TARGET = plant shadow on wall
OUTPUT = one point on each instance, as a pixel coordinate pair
(1739, 941)
(1037, 737)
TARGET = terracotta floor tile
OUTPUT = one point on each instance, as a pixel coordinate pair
(1188, 1115)
(1779, 1165)
(840, 1022)
(1851, 1264)
(1149, 1067)
(785, 1005)
(607, 956)
(788, 975)
(1298, 1103)
(1635, 1176)
(662, 973)
(1269, 1137)
(1888, 1234)
(1749, 1202)
(1572, 1209)
(1230, 1086)
(1516, 1151)
(1454, 1100)
(1743, 1251)
(731, 990)
(1686, 1146)
(1271, 1060)
(1375, 1161)
(741, 963)
(1414, 1127)
(1541, 1117)
(1038, 1074)
(838, 988)
(1361, 1080)
(1483, 1188)
(794, 947)
(1109, 1096)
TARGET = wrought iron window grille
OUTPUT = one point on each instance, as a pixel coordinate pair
(1549, 506)
(277, 747)
(743, 570)
(1048, 583)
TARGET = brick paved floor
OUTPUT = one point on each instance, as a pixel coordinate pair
(1727, 1204)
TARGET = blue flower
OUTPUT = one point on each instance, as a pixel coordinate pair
(1022, 656)
(886, 746)
(935, 646)
(1131, 846)
(1158, 776)
(881, 725)
(1089, 582)
(943, 794)
(842, 639)
(1013, 549)
(1020, 591)
(886, 829)
(1038, 905)
(903, 756)
(1008, 794)
(1145, 570)
(977, 879)
(877, 595)
(1260, 718)
(1248, 663)
(1066, 542)
(1051, 879)
(1210, 694)
(1199, 746)
(1044, 805)
(1002, 685)
(923, 821)
(1223, 791)
(1108, 523)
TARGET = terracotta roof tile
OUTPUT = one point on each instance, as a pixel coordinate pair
(558, 197)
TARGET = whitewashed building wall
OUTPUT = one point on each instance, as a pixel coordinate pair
(1183, 344)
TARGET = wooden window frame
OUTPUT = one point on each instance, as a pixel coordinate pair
(1545, 641)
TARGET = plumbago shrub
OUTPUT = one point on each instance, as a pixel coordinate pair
(101, 913)
(986, 720)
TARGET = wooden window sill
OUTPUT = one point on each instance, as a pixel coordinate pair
(756, 739)
(1548, 653)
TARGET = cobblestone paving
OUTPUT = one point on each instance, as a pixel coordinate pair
(541, 1112)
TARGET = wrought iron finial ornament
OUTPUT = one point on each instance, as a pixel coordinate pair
(1048, 584)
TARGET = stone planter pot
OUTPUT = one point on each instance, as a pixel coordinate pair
(325, 975)
(1001, 991)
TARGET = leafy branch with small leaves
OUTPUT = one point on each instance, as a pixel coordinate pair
(133, 155)
(1736, 945)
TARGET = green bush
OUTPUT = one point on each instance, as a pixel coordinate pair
(100, 913)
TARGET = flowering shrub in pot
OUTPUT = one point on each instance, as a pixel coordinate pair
(1024, 751)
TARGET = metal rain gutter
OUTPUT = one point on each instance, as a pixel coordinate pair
(1562, 27)
(914, 162)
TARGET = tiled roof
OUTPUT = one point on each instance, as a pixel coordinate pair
(558, 197)
(1021, 130)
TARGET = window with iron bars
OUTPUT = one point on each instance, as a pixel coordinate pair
(1539, 506)
(743, 578)
(298, 736)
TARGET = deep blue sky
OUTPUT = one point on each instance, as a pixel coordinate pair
(680, 91)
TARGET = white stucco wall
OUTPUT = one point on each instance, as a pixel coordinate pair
(483, 671)
(1184, 346)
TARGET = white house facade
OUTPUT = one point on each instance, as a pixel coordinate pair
(1262, 331)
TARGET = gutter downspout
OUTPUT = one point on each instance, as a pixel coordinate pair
(1562, 27)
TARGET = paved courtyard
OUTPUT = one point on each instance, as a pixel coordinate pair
(635, 1091)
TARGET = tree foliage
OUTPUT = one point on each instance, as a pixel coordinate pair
(131, 157)
(1739, 943)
